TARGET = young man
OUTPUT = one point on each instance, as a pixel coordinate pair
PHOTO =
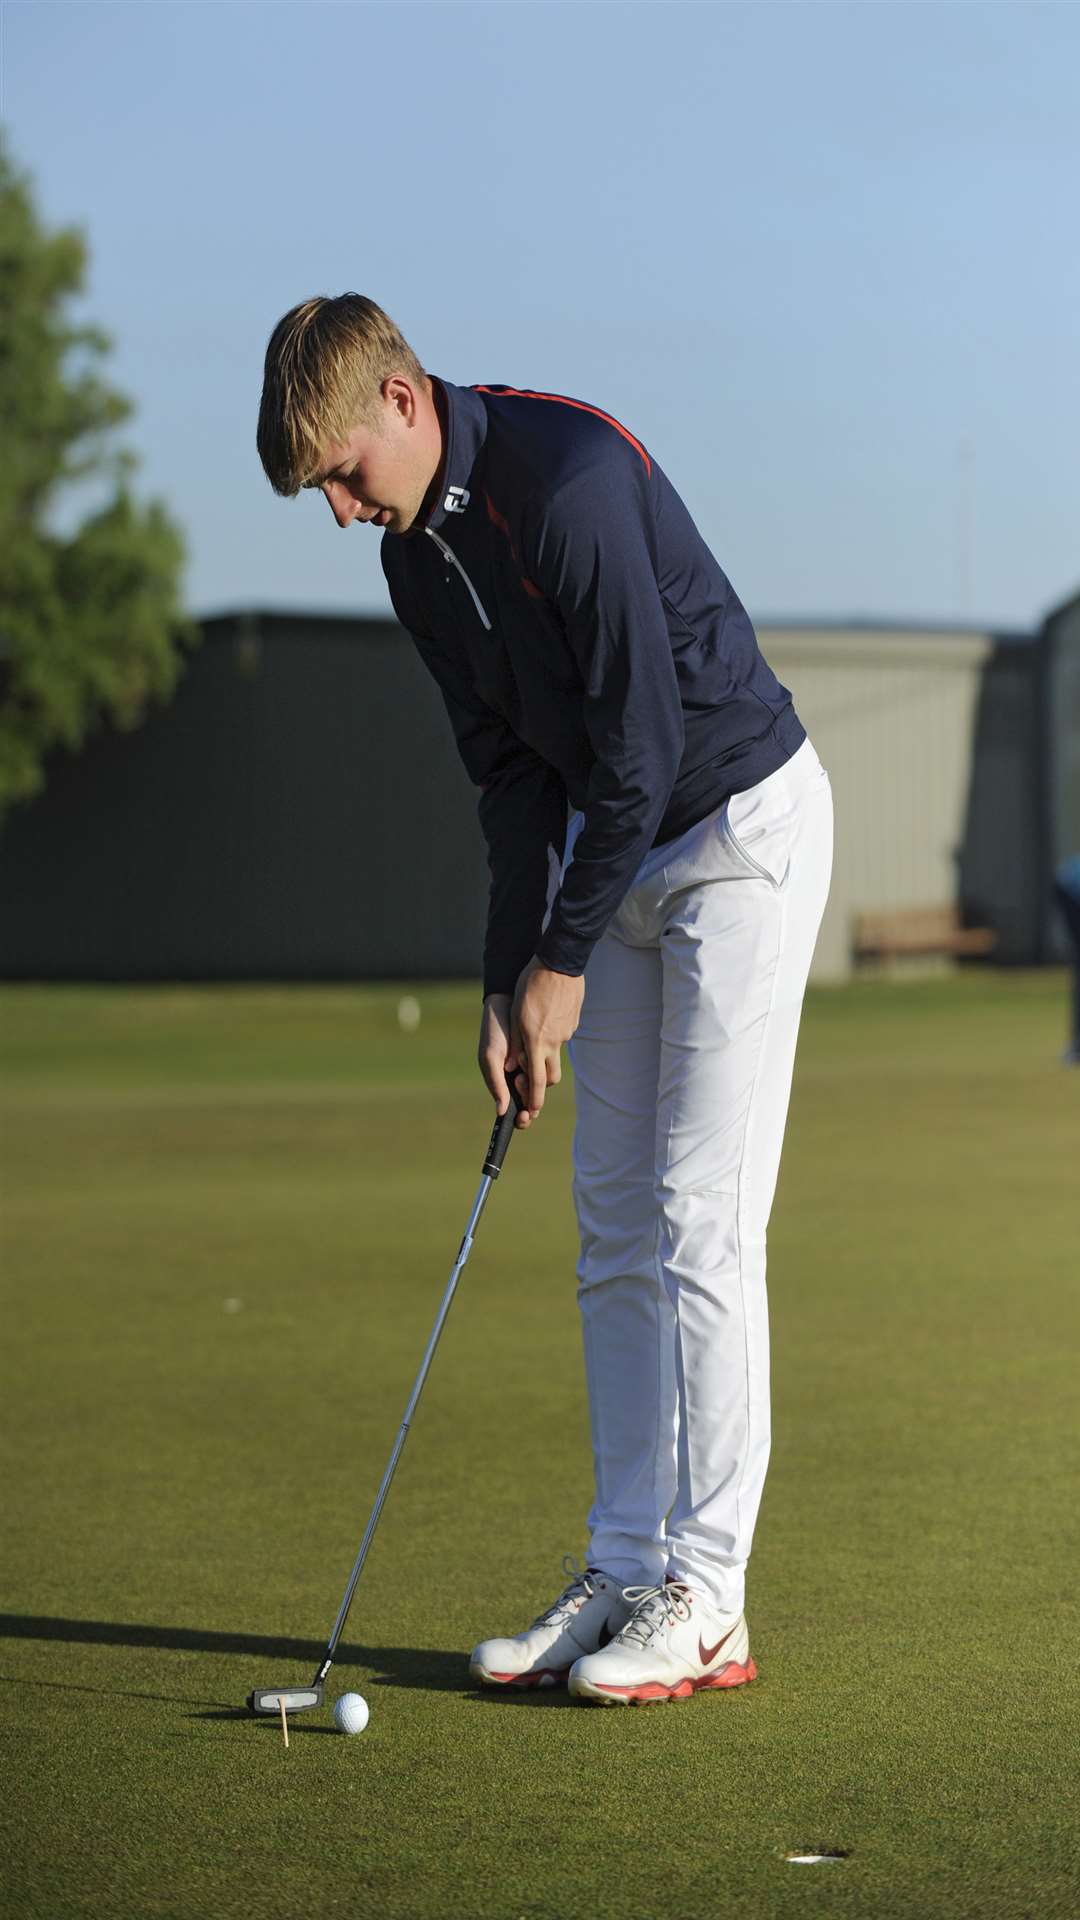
(594, 659)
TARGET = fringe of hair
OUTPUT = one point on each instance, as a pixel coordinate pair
(325, 363)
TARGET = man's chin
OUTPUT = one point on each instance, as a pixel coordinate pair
(402, 522)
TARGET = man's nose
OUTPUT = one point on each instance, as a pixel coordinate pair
(342, 505)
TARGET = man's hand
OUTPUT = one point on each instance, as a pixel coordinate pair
(544, 1015)
(529, 1032)
(494, 1050)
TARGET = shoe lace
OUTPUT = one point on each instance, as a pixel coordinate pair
(653, 1608)
(579, 1588)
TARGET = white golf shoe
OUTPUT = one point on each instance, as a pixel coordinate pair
(588, 1611)
(674, 1644)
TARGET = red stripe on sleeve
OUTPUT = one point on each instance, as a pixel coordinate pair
(519, 393)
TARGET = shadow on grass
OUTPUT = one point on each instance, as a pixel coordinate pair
(427, 1667)
(430, 1668)
(111, 1693)
(298, 1723)
(501, 1698)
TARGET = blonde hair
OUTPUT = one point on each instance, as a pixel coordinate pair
(325, 363)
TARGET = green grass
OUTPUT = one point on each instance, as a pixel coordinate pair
(185, 1481)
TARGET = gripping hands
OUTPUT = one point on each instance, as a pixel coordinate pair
(528, 1032)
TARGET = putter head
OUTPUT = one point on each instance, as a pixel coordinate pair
(295, 1699)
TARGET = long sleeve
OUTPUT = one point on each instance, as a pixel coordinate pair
(522, 810)
(588, 551)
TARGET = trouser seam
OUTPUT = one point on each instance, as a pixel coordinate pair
(661, 1296)
(747, 1450)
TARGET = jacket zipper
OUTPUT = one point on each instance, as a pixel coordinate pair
(449, 554)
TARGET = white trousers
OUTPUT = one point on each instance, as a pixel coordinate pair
(682, 1067)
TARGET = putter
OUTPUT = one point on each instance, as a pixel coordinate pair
(285, 1700)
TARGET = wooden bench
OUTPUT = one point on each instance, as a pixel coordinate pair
(919, 933)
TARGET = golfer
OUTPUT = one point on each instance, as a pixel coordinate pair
(659, 833)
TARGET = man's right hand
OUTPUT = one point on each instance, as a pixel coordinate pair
(496, 1055)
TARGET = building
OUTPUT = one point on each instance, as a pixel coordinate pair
(299, 810)
(1061, 771)
(930, 736)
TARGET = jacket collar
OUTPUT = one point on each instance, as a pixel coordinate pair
(466, 432)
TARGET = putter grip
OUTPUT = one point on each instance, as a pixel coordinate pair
(502, 1131)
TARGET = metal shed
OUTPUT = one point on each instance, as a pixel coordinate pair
(1062, 702)
(297, 813)
(300, 812)
(929, 737)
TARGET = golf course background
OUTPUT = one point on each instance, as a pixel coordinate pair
(228, 1218)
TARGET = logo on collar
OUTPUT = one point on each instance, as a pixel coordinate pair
(457, 499)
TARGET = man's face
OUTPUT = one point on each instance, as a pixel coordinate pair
(380, 474)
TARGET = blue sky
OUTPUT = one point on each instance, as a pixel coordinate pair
(816, 256)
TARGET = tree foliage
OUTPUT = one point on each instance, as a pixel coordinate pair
(91, 628)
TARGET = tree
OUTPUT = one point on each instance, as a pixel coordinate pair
(91, 628)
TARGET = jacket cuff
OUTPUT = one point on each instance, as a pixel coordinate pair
(564, 952)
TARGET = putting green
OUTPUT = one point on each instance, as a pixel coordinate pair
(228, 1220)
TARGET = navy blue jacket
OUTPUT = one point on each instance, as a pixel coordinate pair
(588, 647)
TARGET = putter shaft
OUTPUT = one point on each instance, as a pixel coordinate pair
(463, 1253)
(297, 1699)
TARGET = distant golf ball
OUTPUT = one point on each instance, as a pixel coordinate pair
(408, 1013)
(351, 1713)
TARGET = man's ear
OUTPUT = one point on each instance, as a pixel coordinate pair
(400, 394)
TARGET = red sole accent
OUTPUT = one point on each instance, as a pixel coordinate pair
(730, 1675)
(733, 1675)
(534, 1679)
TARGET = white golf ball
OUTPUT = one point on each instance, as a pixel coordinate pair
(351, 1713)
(408, 1013)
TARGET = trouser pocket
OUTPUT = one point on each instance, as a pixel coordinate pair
(762, 824)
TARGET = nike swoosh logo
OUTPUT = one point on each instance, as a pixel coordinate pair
(705, 1654)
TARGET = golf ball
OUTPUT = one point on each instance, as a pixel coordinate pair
(408, 1013)
(351, 1713)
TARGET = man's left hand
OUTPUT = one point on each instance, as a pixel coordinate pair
(545, 1014)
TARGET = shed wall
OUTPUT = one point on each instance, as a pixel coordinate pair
(893, 719)
(1002, 873)
(298, 812)
(1063, 749)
